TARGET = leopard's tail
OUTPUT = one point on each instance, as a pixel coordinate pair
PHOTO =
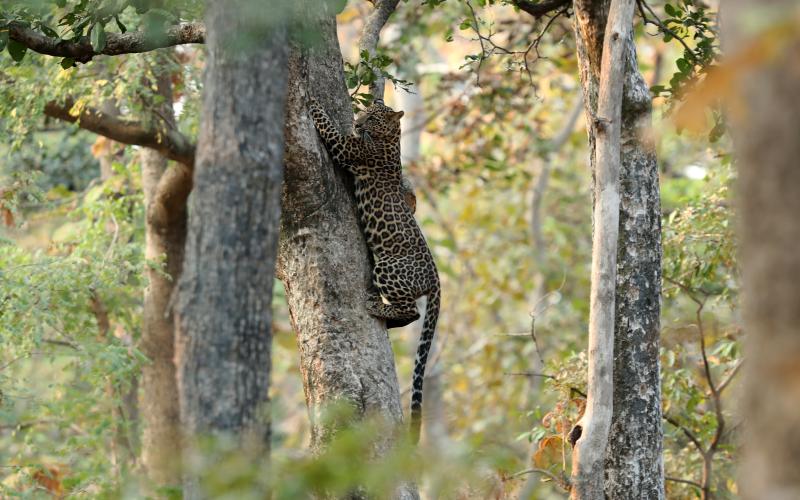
(423, 348)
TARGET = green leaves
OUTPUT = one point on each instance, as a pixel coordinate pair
(367, 71)
(16, 50)
(3, 39)
(98, 37)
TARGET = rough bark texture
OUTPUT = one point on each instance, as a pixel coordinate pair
(588, 456)
(634, 464)
(116, 43)
(769, 199)
(345, 354)
(224, 313)
(168, 142)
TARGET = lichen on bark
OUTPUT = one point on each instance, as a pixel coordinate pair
(634, 464)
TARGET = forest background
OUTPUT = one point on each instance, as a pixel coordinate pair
(495, 147)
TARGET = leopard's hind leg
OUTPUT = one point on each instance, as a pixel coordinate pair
(397, 314)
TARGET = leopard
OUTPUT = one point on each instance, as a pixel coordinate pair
(403, 266)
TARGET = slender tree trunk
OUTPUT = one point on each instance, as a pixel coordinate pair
(634, 464)
(223, 315)
(345, 354)
(165, 237)
(588, 456)
(766, 127)
(164, 242)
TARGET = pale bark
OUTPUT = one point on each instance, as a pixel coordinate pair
(634, 462)
(371, 35)
(223, 314)
(589, 453)
(345, 354)
(766, 120)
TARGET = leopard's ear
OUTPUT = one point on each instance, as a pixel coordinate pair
(397, 115)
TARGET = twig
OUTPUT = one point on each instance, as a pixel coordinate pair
(684, 481)
(531, 374)
(660, 24)
(484, 40)
(64, 343)
(689, 434)
(562, 482)
(730, 376)
(483, 55)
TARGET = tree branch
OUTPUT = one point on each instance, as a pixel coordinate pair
(560, 481)
(684, 481)
(730, 377)
(540, 9)
(170, 143)
(371, 35)
(689, 434)
(125, 43)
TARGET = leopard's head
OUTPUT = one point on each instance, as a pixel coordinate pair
(379, 122)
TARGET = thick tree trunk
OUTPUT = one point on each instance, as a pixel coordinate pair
(766, 129)
(345, 354)
(634, 464)
(223, 315)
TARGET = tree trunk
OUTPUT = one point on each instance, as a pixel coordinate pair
(345, 354)
(634, 464)
(587, 457)
(165, 237)
(769, 199)
(225, 293)
(164, 242)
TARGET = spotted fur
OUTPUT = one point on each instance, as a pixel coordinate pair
(403, 269)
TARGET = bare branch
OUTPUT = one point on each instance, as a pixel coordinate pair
(64, 343)
(125, 43)
(663, 27)
(490, 48)
(730, 377)
(562, 482)
(169, 142)
(371, 35)
(689, 434)
(530, 374)
(684, 481)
